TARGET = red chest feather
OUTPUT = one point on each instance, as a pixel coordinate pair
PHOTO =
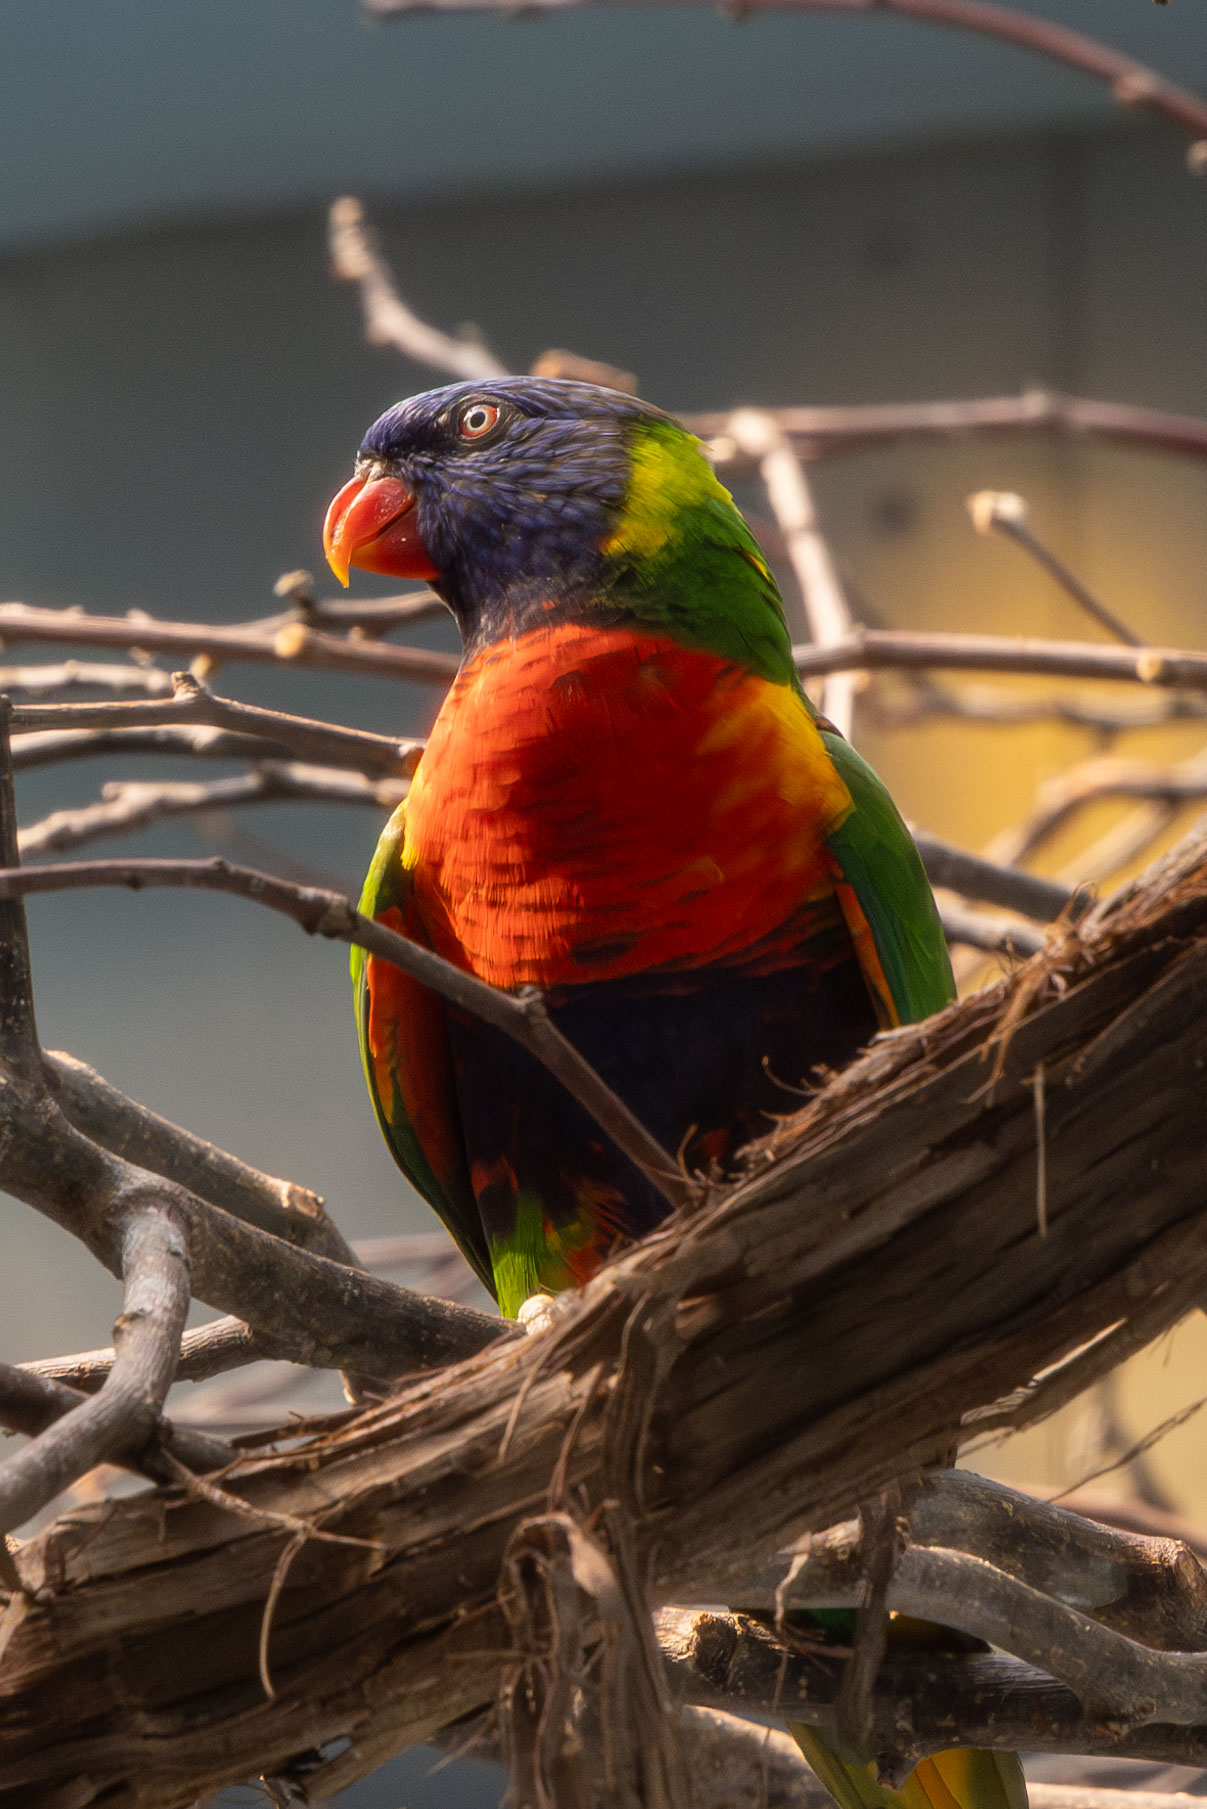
(593, 804)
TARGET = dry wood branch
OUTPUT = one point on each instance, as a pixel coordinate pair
(109, 1118)
(1010, 887)
(834, 432)
(920, 1700)
(207, 1350)
(725, 1762)
(193, 704)
(521, 1016)
(123, 1417)
(570, 1617)
(874, 649)
(909, 1177)
(83, 675)
(1131, 84)
(228, 1343)
(294, 644)
(758, 436)
(136, 804)
(388, 320)
(927, 701)
(1005, 513)
(1150, 1589)
(315, 1311)
(18, 1030)
(303, 1305)
(1093, 781)
(368, 615)
(995, 935)
(30, 1402)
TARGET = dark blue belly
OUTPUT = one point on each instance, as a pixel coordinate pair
(706, 1063)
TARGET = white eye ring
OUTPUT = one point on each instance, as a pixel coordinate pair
(476, 419)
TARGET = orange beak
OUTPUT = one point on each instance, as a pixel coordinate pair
(371, 524)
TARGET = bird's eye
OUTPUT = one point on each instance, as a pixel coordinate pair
(476, 419)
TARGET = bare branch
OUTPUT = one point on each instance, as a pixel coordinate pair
(192, 703)
(1006, 513)
(922, 1702)
(207, 1350)
(875, 648)
(54, 747)
(129, 1130)
(926, 700)
(18, 1029)
(758, 436)
(31, 1401)
(995, 935)
(1131, 84)
(294, 644)
(1091, 781)
(135, 804)
(124, 1416)
(82, 675)
(370, 615)
(388, 320)
(947, 865)
(521, 1016)
(832, 432)
(558, 363)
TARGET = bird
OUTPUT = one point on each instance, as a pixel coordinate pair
(628, 801)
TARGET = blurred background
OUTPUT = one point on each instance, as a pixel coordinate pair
(789, 210)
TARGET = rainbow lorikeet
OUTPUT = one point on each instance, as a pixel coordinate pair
(627, 801)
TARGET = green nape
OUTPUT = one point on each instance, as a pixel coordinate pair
(685, 563)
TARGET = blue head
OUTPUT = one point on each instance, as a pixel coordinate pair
(501, 492)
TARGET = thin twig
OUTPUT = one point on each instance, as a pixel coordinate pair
(878, 648)
(522, 1016)
(926, 700)
(995, 935)
(31, 1401)
(758, 435)
(1039, 1091)
(1006, 513)
(294, 644)
(989, 881)
(18, 1029)
(834, 432)
(136, 804)
(1093, 781)
(83, 675)
(134, 1132)
(193, 703)
(388, 320)
(124, 1416)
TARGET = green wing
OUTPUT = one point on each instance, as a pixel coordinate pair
(884, 888)
(404, 1046)
(964, 1778)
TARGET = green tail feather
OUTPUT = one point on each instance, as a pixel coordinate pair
(964, 1778)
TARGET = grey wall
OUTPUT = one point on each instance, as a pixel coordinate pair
(124, 113)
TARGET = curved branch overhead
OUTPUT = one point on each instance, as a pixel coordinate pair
(1132, 84)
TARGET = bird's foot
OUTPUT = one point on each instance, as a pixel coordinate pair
(536, 1314)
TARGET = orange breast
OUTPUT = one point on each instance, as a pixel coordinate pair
(597, 803)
